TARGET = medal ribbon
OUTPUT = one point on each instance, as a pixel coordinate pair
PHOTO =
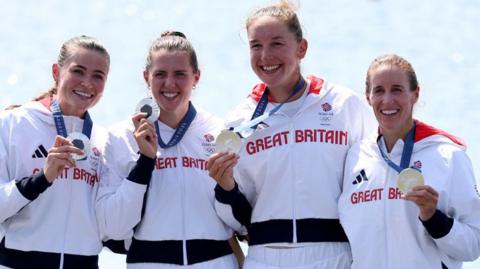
(259, 115)
(181, 129)
(406, 153)
(60, 123)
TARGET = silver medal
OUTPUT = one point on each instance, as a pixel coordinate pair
(228, 141)
(149, 106)
(408, 179)
(82, 142)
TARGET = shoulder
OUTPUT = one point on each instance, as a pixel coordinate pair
(120, 135)
(207, 120)
(240, 113)
(365, 147)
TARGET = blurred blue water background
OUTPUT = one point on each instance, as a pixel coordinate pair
(440, 38)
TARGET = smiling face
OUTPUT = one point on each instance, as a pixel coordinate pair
(392, 99)
(80, 80)
(275, 53)
(171, 78)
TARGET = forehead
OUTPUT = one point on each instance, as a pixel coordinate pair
(388, 73)
(170, 58)
(268, 27)
(88, 58)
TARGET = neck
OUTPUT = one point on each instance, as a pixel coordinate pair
(391, 137)
(281, 93)
(69, 111)
(173, 118)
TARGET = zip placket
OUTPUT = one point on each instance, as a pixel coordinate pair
(292, 167)
(182, 199)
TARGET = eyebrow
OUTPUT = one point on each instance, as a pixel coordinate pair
(274, 38)
(85, 69)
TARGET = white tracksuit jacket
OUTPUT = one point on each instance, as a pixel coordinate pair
(54, 223)
(385, 231)
(289, 174)
(179, 209)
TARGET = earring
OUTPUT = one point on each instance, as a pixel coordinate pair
(149, 92)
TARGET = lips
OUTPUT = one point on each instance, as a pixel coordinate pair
(389, 112)
(83, 94)
(170, 95)
(270, 68)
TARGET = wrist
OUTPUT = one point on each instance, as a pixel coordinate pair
(227, 185)
(426, 215)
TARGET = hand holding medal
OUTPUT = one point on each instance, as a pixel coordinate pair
(144, 132)
(59, 157)
(149, 106)
(81, 142)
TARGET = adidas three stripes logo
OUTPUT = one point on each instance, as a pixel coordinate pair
(361, 177)
(40, 152)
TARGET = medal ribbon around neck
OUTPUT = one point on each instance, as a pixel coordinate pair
(60, 123)
(258, 115)
(406, 153)
(181, 129)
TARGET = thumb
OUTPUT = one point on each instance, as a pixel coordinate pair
(60, 141)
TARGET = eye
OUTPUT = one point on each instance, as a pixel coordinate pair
(378, 90)
(159, 74)
(397, 89)
(78, 71)
(255, 46)
(98, 76)
(180, 74)
(277, 44)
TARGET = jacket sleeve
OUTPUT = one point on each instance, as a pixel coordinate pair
(119, 198)
(456, 228)
(11, 198)
(235, 207)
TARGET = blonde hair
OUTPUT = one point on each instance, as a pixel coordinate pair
(285, 12)
(172, 41)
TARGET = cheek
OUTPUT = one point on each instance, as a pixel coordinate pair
(374, 103)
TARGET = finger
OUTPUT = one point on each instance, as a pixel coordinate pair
(228, 168)
(213, 159)
(145, 125)
(147, 135)
(68, 149)
(426, 188)
(217, 163)
(422, 198)
(225, 169)
(136, 118)
(60, 141)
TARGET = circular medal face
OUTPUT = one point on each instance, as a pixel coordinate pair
(82, 142)
(228, 141)
(409, 178)
(149, 106)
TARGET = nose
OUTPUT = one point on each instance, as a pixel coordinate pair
(170, 82)
(87, 83)
(265, 53)
(388, 98)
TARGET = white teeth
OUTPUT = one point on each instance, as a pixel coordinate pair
(389, 112)
(170, 94)
(270, 67)
(82, 93)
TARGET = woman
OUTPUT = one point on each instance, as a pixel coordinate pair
(179, 227)
(47, 216)
(433, 225)
(285, 187)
